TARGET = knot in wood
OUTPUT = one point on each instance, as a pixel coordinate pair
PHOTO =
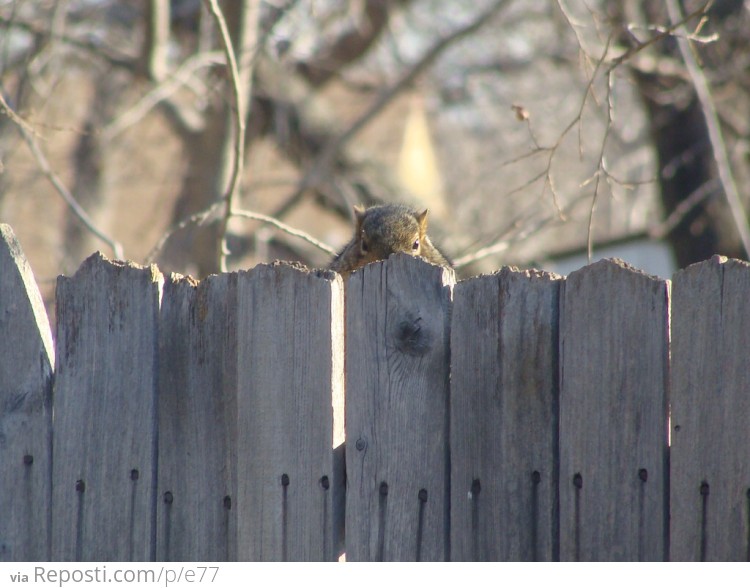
(412, 338)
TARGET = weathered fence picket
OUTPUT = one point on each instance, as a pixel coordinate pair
(289, 410)
(710, 457)
(614, 335)
(504, 417)
(397, 360)
(26, 366)
(197, 420)
(515, 416)
(105, 413)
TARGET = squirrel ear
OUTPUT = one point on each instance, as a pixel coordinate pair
(422, 220)
(359, 215)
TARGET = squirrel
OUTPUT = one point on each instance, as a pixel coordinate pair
(385, 229)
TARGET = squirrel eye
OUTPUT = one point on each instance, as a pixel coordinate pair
(363, 247)
(415, 245)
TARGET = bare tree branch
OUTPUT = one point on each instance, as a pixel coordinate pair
(551, 151)
(156, 40)
(678, 25)
(161, 92)
(323, 163)
(600, 169)
(92, 45)
(714, 130)
(284, 227)
(696, 198)
(350, 44)
(506, 241)
(241, 89)
(54, 179)
(199, 218)
(204, 215)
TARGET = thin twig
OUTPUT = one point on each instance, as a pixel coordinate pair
(551, 151)
(286, 228)
(666, 32)
(202, 216)
(91, 44)
(504, 242)
(240, 108)
(662, 229)
(159, 93)
(197, 218)
(718, 146)
(156, 39)
(54, 179)
(600, 165)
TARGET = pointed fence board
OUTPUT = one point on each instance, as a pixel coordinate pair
(710, 458)
(397, 380)
(26, 366)
(504, 407)
(197, 420)
(613, 414)
(290, 409)
(105, 411)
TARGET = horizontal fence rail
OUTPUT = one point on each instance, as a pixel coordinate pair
(280, 414)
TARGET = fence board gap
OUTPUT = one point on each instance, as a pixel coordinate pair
(614, 334)
(105, 412)
(397, 377)
(504, 407)
(26, 374)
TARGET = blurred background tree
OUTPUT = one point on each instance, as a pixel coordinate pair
(534, 131)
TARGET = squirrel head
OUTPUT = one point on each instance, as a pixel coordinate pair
(390, 228)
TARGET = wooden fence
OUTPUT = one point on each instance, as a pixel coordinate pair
(514, 416)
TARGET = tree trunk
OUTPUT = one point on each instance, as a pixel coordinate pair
(210, 155)
(687, 169)
(688, 178)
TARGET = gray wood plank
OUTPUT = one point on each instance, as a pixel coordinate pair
(397, 378)
(197, 420)
(104, 454)
(613, 414)
(710, 455)
(290, 409)
(504, 411)
(26, 366)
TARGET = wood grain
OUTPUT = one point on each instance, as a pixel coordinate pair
(710, 479)
(105, 407)
(504, 411)
(397, 378)
(197, 420)
(26, 366)
(613, 414)
(290, 403)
